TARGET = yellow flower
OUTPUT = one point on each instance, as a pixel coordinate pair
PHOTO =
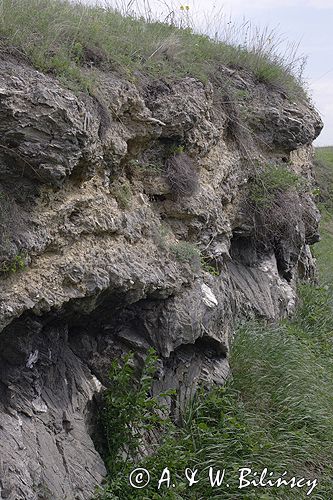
(182, 7)
(187, 7)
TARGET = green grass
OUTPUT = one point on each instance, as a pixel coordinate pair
(324, 249)
(324, 176)
(271, 180)
(72, 39)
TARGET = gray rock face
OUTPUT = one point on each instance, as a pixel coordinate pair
(98, 257)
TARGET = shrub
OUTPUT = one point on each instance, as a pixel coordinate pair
(210, 267)
(186, 252)
(273, 180)
(182, 175)
(130, 410)
(274, 206)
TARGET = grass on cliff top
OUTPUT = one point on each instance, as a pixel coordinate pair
(64, 38)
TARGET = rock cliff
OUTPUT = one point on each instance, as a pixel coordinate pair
(125, 223)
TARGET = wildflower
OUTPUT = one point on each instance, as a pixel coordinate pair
(184, 7)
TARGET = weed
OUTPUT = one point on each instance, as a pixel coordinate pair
(14, 265)
(272, 180)
(207, 266)
(185, 251)
(129, 410)
(122, 192)
(161, 236)
(274, 208)
(150, 168)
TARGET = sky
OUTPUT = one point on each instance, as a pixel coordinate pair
(307, 22)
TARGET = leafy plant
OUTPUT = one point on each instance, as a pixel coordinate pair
(209, 268)
(14, 265)
(130, 410)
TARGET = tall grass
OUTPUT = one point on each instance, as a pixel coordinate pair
(70, 38)
(276, 412)
(324, 176)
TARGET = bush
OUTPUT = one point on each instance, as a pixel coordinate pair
(185, 251)
(14, 265)
(122, 192)
(182, 175)
(274, 206)
(129, 410)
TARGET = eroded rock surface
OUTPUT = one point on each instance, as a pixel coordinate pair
(92, 254)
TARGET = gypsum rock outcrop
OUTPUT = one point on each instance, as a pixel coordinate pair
(87, 210)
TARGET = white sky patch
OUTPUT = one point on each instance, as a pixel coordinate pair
(321, 4)
(323, 98)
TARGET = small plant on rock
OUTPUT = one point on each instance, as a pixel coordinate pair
(209, 268)
(272, 180)
(122, 192)
(186, 252)
(13, 265)
(145, 167)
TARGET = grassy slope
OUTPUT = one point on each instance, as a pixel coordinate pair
(68, 38)
(277, 412)
(324, 250)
